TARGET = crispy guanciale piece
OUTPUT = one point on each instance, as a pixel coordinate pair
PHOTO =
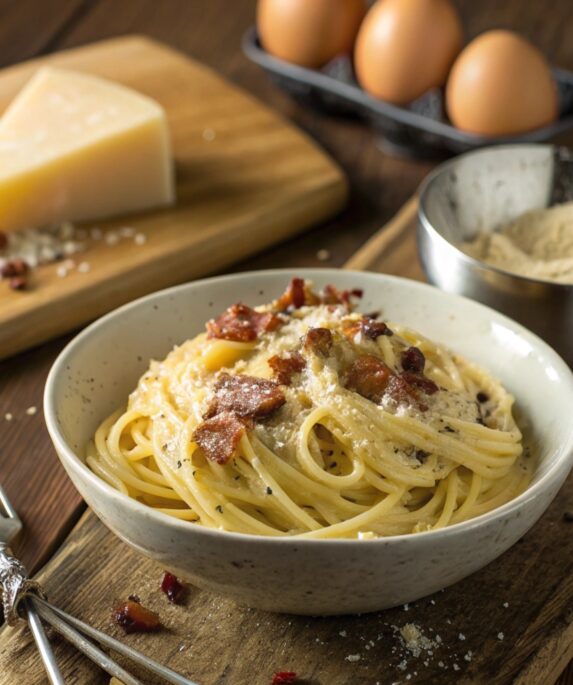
(400, 390)
(331, 295)
(294, 297)
(174, 589)
(369, 377)
(413, 360)
(318, 340)
(419, 382)
(245, 396)
(368, 327)
(240, 323)
(219, 436)
(134, 618)
(14, 267)
(284, 678)
(285, 367)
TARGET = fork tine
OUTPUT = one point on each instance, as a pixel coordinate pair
(7, 508)
(107, 641)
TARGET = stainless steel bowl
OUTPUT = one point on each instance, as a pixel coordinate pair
(479, 191)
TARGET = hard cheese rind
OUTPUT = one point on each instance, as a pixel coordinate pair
(77, 147)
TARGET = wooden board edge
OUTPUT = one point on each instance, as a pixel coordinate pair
(546, 664)
(21, 332)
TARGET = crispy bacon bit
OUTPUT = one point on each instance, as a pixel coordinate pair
(284, 678)
(18, 283)
(14, 267)
(331, 295)
(285, 367)
(318, 340)
(369, 328)
(246, 396)
(134, 618)
(171, 586)
(413, 360)
(240, 323)
(293, 297)
(400, 390)
(369, 377)
(420, 382)
(219, 436)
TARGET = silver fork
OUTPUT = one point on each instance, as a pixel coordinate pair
(10, 526)
(14, 582)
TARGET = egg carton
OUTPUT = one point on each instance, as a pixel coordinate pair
(421, 129)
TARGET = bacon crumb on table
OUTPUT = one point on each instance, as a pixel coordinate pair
(173, 588)
(135, 618)
(284, 678)
(219, 436)
(241, 323)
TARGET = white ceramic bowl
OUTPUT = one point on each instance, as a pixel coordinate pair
(98, 369)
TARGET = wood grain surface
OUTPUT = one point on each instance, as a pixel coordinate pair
(512, 622)
(209, 31)
(233, 199)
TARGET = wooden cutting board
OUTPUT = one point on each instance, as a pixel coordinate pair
(510, 623)
(233, 198)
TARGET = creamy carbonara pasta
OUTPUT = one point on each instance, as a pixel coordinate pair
(305, 418)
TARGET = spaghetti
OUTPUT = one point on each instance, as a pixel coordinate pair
(304, 418)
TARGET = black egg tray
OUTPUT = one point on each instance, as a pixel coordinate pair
(421, 130)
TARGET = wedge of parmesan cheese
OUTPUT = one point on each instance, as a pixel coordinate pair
(75, 147)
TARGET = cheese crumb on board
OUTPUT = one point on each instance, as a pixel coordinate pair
(77, 147)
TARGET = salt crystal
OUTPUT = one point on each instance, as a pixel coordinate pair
(323, 255)
(140, 239)
(84, 267)
(208, 135)
(461, 636)
(352, 657)
(127, 231)
(506, 604)
(62, 271)
(31, 411)
(8, 416)
(456, 667)
(500, 636)
(111, 238)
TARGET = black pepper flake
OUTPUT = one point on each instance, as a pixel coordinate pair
(333, 465)
(482, 397)
(178, 464)
(449, 429)
(480, 421)
(236, 477)
(194, 472)
(421, 455)
(219, 508)
(164, 446)
(269, 491)
(568, 516)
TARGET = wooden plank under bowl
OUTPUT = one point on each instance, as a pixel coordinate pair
(245, 179)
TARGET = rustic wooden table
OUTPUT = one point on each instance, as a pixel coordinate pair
(209, 30)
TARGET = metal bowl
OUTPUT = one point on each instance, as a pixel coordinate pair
(479, 191)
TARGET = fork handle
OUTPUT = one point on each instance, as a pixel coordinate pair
(48, 658)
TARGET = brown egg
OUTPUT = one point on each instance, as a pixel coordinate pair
(406, 47)
(309, 32)
(501, 85)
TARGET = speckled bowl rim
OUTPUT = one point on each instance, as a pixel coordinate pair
(561, 458)
(435, 231)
